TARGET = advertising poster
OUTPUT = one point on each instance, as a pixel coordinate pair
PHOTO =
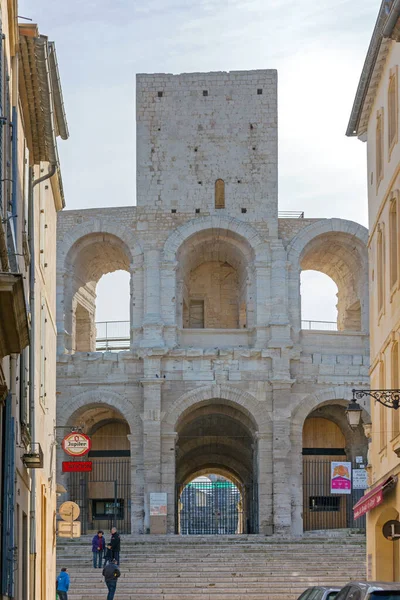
(158, 504)
(340, 477)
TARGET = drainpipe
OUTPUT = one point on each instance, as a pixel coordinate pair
(32, 366)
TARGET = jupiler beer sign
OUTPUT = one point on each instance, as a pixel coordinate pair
(76, 444)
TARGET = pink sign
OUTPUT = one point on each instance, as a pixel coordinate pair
(340, 477)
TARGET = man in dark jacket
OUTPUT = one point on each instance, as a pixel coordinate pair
(98, 545)
(115, 543)
(111, 574)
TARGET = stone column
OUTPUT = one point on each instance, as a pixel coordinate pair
(281, 454)
(168, 483)
(265, 483)
(169, 304)
(137, 484)
(65, 283)
(262, 300)
(151, 418)
(137, 302)
(152, 322)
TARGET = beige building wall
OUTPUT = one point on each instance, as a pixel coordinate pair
(378, 123)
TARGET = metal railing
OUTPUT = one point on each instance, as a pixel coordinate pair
(290, 214)
(319, 325)
(112, 335)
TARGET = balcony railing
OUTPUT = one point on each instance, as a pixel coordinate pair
(115, 335)
(319, 325)
(112, 335)
(290, 214)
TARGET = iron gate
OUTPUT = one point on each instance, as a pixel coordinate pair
(215, 508)
(104, 495)
(321, 509)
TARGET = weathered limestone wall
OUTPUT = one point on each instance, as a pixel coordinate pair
(185, 129)
(265, 378)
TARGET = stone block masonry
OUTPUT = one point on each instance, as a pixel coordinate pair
(219, 376)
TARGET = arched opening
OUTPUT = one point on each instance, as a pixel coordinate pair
(318, 301)
(329, 445)
(92, 257)
(215, 282)
(104, 493)
(210, 504)
(216, 439)
(339, 256)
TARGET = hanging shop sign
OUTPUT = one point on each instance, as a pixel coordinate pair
(76, 444)
(340, 477)
(75, 466)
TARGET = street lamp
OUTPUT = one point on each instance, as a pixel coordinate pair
(388, 398)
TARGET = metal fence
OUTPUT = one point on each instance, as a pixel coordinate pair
(215, 508)
(103, 495)
(290, 214)
(319, 325)
(321, 509)
(112, 335)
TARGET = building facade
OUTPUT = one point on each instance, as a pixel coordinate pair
(30, 197)
(220, 376)
(374, 119)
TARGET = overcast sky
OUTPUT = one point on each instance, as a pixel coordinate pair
(318, 48)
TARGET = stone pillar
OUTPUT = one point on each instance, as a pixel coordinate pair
(296, 477)
(151, 418)
(137, 484)
(152, 322)
(265, 483)
(281, 454)
(137, 302)
(168, 461)
(65, 294)
(169, 303)
(262, 291)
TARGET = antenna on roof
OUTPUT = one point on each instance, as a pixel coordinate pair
(26, 18)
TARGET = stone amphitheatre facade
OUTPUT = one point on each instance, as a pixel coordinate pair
(219, 376)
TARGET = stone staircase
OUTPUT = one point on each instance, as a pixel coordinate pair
(216, 568)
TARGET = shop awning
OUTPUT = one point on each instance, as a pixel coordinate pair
(374, 497)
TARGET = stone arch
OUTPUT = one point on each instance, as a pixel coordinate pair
(86, 253)
(227, 225)
(67, 412)
(339, 395)
(245, 400)
(337, 248)
(97, 226)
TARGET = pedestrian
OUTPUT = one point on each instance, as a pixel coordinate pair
(108, 555)
(111, 574)
(62, 582)
(115, 544)
(98, 546)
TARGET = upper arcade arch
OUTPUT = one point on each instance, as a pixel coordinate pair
(216, 276)
(89, 251)
(337, 248)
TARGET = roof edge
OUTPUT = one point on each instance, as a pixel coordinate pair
(385, 23)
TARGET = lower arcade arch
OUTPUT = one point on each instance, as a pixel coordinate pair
(330, 446)
(216, 470)
(103, 493)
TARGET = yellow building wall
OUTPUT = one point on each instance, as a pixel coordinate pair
(383, 555)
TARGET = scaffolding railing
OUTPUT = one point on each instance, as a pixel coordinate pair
(319, 325)
(112, 335)
(291, 214)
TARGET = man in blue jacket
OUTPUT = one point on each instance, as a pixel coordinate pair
(63, 584)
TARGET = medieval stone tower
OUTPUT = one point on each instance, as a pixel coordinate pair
(217, 375)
